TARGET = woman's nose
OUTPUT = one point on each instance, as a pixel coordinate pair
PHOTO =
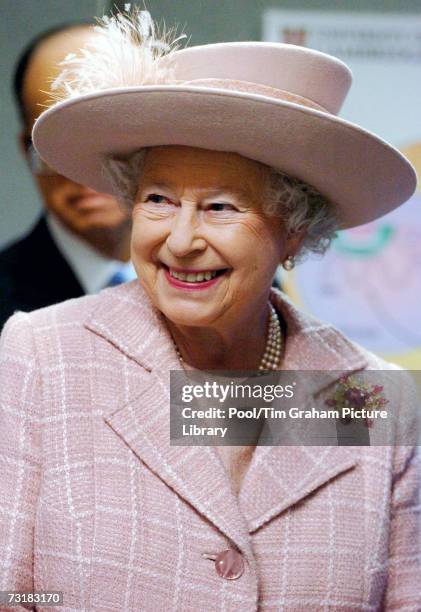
(184, 237)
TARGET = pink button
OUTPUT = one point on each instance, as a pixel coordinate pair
(229, 564)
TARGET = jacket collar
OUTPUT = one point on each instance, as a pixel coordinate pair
(277, 477)
(126, 318)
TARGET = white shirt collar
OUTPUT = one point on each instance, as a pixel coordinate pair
(92, 269)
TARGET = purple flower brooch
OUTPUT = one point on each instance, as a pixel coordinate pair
(352, 397)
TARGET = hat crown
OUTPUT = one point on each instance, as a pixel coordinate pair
(313, 75)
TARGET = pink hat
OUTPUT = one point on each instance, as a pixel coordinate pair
(274, 103)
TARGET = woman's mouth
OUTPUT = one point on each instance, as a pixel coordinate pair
(193, 279)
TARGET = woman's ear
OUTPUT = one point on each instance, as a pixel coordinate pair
(294, 242)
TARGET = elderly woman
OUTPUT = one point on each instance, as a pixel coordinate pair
(233, 160)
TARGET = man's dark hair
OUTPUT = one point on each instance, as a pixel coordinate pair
(25, 57)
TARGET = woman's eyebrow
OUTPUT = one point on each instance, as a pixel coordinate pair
(158, 186)
(228, 190)
(211, 193)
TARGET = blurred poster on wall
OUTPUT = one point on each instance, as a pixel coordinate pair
(369, 283)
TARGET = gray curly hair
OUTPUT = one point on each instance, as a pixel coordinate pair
(300, 206)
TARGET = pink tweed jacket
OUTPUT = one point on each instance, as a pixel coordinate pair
(95, 502)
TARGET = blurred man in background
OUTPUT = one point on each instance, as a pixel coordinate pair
(81, 242)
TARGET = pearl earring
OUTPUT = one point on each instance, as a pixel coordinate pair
(289, 263)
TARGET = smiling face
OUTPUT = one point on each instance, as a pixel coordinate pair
(203, 248)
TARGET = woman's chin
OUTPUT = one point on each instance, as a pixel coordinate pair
(189, 317)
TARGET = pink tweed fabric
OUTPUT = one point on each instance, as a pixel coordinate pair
(95, 502)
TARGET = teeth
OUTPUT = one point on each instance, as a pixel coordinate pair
(194, 277)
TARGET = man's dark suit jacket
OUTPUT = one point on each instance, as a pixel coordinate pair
(33, 274)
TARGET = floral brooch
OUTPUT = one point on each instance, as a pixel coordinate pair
(352, 395)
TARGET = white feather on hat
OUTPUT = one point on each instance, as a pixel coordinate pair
(125, 52)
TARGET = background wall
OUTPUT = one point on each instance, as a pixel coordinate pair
(205, 20)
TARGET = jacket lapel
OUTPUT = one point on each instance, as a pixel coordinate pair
(129, 322)
(194, 472)
(278, 477)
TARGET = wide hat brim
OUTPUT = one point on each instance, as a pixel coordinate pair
(361, 174)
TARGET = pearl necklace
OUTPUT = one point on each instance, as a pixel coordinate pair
(272, 355)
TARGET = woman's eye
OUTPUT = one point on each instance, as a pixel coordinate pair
(156, 198)
(221, 207)
(157, 205)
